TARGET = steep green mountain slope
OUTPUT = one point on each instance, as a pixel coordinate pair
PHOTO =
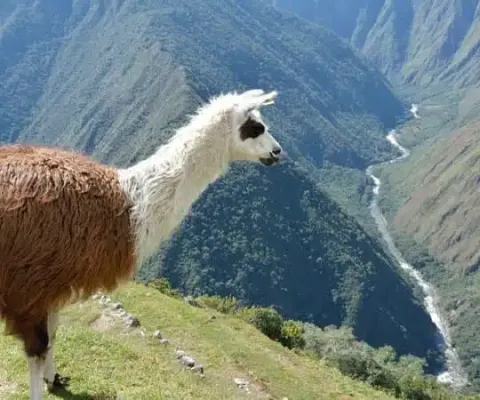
(108, 361)
(113, 78)
(432, 202)
(273, 244)
(449, 204)
(447, 199)
(423, 43)
(333, 106)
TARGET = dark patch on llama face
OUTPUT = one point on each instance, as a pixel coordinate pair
(251, 129)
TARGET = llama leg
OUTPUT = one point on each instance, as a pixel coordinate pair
(35, 338)
(51, 377)
(35, 368)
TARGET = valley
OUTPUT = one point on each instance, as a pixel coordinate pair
(429, 51)
(448, 204)
(115, 78)
(453, 374)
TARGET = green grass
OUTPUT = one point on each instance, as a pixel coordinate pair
(120, 362)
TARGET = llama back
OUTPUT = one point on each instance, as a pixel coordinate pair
(64, 230)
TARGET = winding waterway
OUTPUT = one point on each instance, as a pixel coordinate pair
(453, 374)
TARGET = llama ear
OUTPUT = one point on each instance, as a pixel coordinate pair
(259, 101)
(269, 98)
(252, 93)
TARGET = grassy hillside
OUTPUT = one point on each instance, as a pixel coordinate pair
(106, 360)
(423, 43)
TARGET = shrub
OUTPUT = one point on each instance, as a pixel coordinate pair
(292, 335)
(324, 342)
(362, 366)
(225, 305)
(163, 286)
(414, 388)
(266, 320)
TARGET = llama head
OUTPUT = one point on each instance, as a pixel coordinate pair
(251, 139)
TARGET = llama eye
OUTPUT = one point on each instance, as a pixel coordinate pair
(251, 129)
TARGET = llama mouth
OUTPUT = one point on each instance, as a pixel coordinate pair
(269, 161)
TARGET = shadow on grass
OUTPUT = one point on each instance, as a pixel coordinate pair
(64, 393)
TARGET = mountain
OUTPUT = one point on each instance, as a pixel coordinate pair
(431, 48)
(107, 52)
(113, 78)
(447, 200)
(271, 250)
(433, 207)
(429, 43)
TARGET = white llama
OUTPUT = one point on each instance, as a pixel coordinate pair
(70, 226)
(164, 186)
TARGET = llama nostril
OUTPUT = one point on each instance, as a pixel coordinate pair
(277, 150)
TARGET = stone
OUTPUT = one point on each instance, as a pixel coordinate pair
(132, 321)
(193, 302)
(105, 300)
(187, 361)
(179, 353)
(117, 306)
(164, 341)
(198, 368)
(241, 382)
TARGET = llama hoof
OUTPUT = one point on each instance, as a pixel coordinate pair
(59, 382)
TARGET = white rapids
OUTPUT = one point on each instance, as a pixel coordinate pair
(453, 374)
(414, 111)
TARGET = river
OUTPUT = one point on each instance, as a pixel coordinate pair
(453, 373)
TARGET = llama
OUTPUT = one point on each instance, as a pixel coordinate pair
(70, 226)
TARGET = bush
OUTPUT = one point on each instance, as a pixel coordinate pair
(266, 320)
(292, 335)
(225, 305)
(362, 366)
(414, 388)
(163, 286)
(324, 342)
(382, 368)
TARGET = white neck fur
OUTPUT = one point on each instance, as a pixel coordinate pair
(164, 186)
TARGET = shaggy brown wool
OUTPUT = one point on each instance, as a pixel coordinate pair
(64, 233)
